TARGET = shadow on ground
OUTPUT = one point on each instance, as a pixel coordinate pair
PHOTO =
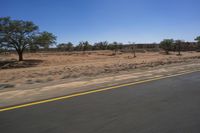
(19, 64)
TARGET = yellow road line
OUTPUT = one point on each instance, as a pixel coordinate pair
(92, 91)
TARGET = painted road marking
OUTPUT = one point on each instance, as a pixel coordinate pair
(92, 91)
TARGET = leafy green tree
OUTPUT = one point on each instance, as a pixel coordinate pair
(198, 42)
(166, 45)
(66, 46)
(19, 34)
(33, 48)
(1, 49)
(178, 44)
(44, 40)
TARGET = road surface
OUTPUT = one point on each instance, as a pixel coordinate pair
(170, 105)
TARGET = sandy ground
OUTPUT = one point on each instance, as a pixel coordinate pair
(40, 68)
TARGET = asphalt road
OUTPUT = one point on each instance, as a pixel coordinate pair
(169, 105)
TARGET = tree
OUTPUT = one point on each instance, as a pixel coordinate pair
(19, 34)
(1, 49)
(101, 45)
(198, 42)
(133, 48)
(44, 40)
(83, 46)
(33, 48)
(114, 46)
(65, 46)
(166, 44)
(178, 44)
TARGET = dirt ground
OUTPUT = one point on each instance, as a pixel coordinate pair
(39, 68)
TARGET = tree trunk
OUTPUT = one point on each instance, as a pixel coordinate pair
(134, 52)
(20, 54)
(115, 52)
(179, 49)
(179, 52)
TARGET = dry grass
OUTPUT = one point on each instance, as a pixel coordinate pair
(46, 67)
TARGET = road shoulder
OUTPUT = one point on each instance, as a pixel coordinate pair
(20, 96)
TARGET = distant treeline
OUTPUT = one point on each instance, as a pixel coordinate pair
(115, 46)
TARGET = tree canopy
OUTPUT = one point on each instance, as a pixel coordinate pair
(197, 39)
(65, 46)
(166, 44)
(19, 34)
(178, 44)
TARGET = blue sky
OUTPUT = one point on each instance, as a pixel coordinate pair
(140, 21)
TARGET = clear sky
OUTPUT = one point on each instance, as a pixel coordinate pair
(140, 21)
